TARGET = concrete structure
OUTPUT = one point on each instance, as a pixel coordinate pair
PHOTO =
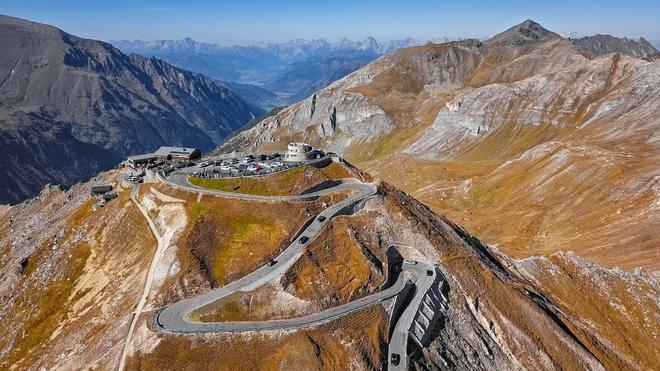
(141, 159)
(100, 189)
(177, 153)
(301, 152)
(431, 309)
(166, 153)
(110, 196)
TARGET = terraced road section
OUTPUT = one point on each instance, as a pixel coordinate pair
(175, 318)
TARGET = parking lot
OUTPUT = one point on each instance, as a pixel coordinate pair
(224, 166)
(249, 165)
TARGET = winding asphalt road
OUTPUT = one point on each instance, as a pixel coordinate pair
(398, 344)
(179, 179)
(175, 318)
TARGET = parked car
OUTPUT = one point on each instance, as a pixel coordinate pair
(272, 262)
(303, 239)
(395, 359)
(429, 272)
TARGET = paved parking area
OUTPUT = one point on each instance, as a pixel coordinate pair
(251, 165)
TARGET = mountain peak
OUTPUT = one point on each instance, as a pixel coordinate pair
(527, 31)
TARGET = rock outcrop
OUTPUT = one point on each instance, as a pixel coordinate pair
(606, 44)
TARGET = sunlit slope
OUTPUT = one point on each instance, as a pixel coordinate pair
(532, 143)
(85, 269)
(71, 275)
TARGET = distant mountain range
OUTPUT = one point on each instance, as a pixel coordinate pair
(280, 73)
(71, 107)
(291, 51)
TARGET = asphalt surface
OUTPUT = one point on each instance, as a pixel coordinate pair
(399, 341)
(175, 318)
(179, 179)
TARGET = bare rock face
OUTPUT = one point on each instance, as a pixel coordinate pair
(606, 44)
(339, 120)
(528, 31)
(563, 98)
(72, 107)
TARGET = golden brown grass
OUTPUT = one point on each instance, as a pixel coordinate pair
(40, 310)
(323, 347)
(334, 270)
(580, 205)
(610, 317)
(621, 313)
(228, 238)
(57, 297)
(257, 305)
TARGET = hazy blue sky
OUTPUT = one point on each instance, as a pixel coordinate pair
(230, 22)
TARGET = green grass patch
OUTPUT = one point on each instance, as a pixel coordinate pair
(197, 211)
(243, 246)
(290, 182)
(268, 185)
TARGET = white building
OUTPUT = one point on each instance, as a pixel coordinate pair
(301, 152)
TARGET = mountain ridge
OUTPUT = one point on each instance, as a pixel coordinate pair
(289, 51)
(483, 124)
(606, 44)
(85, 92)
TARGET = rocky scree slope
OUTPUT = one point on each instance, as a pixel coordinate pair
(68, 288)
(531, 141)
(606, 44)
(70, 107)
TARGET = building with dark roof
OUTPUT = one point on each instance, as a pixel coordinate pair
(141, 159)
(100, 189)
(177, 153)
(166, 153)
